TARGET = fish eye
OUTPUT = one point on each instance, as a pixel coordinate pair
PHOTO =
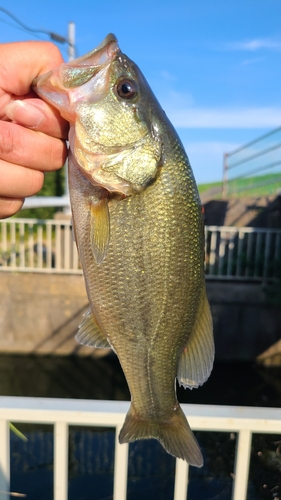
(127, 89)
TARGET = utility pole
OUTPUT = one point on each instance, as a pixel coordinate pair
(71, 41)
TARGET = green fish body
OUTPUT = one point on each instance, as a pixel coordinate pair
(138, 227)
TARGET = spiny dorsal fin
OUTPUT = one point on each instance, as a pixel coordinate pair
(90, 334)
(100, 228)
(196, 361)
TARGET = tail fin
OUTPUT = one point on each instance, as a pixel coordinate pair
(175, 435)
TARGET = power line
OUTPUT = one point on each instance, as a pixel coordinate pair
(23, 25)
(19, 28)
(54, 36)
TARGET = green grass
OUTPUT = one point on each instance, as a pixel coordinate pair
(262, 185)
(53, 186)
(205, 187)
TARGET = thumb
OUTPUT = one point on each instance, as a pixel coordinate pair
(37, 115)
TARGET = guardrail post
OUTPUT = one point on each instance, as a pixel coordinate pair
(242, 465)
(225, 176)
(60, 461)
(4, 460)
(120, 468)
(181, 480)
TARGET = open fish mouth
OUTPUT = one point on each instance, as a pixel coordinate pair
(61, 87)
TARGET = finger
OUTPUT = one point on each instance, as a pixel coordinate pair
(18, 181)
(21, 62)
(37, 115)
(10, 206)
(30, 148)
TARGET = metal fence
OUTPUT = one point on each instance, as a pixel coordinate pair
(46, 246)
(246, 168)
(65, 412)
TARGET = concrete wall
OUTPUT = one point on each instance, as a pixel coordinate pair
(40, 313)
(245, 323)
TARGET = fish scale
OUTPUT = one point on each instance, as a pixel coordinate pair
(139, 231)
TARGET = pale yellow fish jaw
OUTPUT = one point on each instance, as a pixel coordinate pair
(115, 172)
(91, 166)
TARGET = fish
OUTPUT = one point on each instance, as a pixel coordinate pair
(138, 226)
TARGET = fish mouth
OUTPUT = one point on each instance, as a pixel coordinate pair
(100, 54)
(60, 87)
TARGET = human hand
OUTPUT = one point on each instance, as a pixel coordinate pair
(32, 133)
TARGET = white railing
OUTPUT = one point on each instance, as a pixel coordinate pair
(34, 245)
(64, 412)
(242, 252)
(47, 246)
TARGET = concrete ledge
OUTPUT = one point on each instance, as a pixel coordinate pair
(40, 313)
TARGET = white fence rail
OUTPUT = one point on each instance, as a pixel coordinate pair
(64, 412)
(242, 252)
(47, 246)
(34, 245)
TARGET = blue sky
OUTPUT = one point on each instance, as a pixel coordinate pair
(214, 65)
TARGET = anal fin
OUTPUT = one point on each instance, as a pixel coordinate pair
(90, 334)
(196, 361)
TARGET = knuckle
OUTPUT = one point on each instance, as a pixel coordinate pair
(52, 56)
(34, 181)
(57, 154)
(7, 141)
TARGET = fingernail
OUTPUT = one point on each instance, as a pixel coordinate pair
(24, 114)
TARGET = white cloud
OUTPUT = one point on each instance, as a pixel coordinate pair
(255, 118)
(253, 60)
(176, 100)
(168, 76)
(211, 147)
(206, 158)
(256, 44)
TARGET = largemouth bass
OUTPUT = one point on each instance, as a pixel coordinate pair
(138, 227)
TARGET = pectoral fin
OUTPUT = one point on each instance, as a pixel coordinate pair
(100, 228)
(90, 334)
(196, 361)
